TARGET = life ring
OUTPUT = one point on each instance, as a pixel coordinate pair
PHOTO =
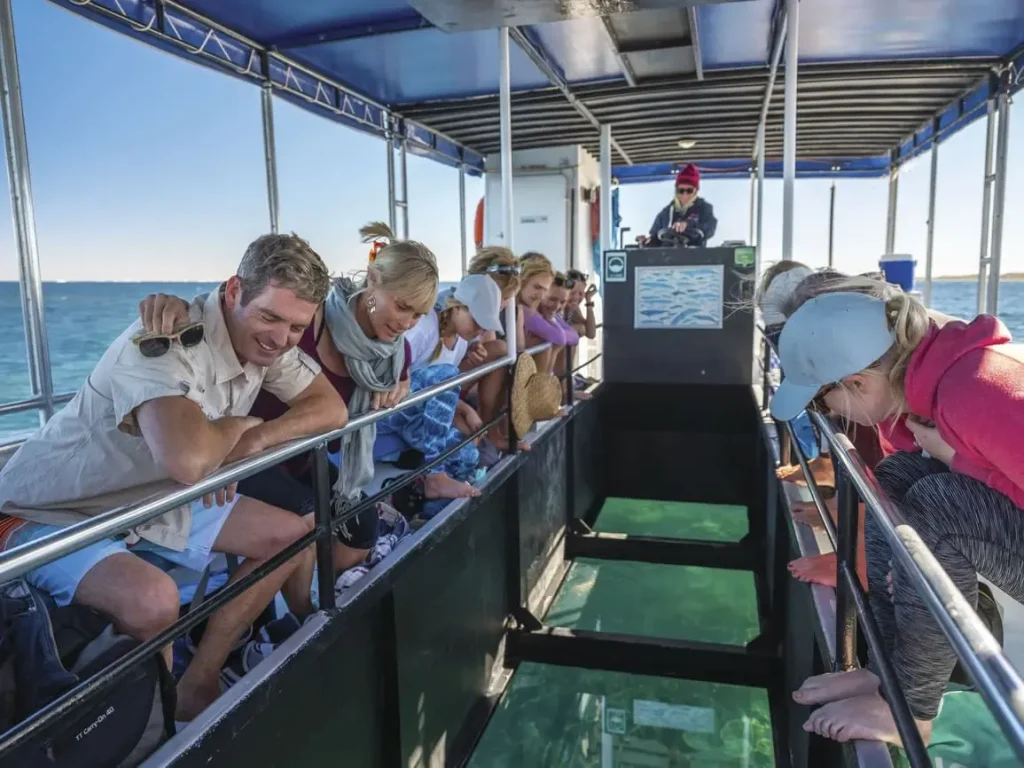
(478, 225)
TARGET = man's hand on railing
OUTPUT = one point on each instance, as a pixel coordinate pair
(249, 443)
(161, 313)
(390, 399)
(222, 497)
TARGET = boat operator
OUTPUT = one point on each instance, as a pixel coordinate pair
(691, 217)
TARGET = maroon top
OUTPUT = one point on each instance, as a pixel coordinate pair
(268, 406)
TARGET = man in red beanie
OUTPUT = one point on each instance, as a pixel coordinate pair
(690, 216)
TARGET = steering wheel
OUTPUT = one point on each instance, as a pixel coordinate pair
(688, 237)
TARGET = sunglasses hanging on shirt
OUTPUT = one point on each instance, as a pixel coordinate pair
(159, 344)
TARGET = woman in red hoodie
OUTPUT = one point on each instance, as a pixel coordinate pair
(950, 402)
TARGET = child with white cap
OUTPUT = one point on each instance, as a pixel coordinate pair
(438, 343)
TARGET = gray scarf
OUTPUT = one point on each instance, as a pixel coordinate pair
(375, 366)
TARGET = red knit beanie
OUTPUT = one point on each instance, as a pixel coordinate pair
(689, 175)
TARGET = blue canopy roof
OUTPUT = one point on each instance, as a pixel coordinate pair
(380, 65)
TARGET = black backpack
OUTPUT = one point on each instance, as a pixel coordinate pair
(121, 727)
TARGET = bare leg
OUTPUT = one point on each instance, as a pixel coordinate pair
(460, 423)
(545, 360)
(821, 468)
(255, 531)
(141, 599)
(821, 569)
(440, 485)
(346, 557)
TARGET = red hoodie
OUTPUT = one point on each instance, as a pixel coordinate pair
(969, 379)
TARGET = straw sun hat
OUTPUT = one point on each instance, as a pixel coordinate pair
(535, 396)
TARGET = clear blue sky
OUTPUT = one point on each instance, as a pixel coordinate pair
(147, 167)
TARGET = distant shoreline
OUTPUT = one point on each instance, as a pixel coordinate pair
(1009, 277)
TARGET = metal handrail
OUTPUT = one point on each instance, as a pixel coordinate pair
(999, 683)
(19, 560)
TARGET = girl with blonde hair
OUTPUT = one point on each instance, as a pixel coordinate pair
(949, 401)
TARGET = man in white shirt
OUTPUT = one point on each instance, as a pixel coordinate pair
(172, 409)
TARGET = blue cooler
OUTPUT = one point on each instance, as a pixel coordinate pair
(899, 269)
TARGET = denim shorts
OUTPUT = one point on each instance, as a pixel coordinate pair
(61, 577)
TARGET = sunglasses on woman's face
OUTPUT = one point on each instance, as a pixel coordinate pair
(578, 276)
(685, 190)
(502, 269)
(565, 282)
(818, 403)
(159, 344)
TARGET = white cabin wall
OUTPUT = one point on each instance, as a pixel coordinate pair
(543, 181)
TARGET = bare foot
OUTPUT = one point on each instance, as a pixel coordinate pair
(833, 686)
(807, 513)
(815, 569)
(193, 699)
(500, 441)
(442, 486)
(582, 395)
(821, 469)
(866, 717)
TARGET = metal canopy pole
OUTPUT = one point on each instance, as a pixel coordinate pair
(753, 205)
(505, 119)
(789, 127)
(999, 202)
(929, 251)
(30, 277)
(270, 153)
(462, 218)
(389, 142)
(404, 202)
(890, 217)
(831, 223)
(986, 205)
(759, 143)
(606, 188)
(760, 208)
(505, 111)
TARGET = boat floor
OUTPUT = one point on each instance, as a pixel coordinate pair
(554, 716)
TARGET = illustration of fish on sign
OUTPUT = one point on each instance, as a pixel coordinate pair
(686, 297)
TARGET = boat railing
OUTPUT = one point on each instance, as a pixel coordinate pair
(995, 678)
(17, 561)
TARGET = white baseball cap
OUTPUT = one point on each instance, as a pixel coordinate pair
(483, 298)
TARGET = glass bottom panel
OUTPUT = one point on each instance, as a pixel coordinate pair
(671, 601)
(562, 717)
(673, 519)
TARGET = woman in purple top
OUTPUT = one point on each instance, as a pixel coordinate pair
(536, 276)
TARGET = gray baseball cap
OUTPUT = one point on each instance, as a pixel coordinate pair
(483, 298)
(830, 337)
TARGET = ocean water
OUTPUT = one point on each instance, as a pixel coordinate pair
(81, 321)
(83, 318)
